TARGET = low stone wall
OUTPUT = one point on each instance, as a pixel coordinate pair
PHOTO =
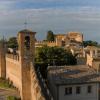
(35, 87)
(44, 86)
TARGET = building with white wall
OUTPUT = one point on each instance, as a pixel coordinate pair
(78, 82)
(93, 51)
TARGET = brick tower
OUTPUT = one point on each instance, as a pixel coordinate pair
(26, 42)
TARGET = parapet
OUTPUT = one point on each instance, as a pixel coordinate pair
(45, 42)
(42, 43)
(12, 56)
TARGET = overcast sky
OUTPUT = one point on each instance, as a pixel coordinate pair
(60, 16)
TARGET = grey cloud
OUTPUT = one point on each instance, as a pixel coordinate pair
(58, 20)
(6, 4)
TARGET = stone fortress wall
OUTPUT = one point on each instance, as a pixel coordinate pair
(19, 69)
(13, 72)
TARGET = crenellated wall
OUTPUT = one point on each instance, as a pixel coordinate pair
(48, 43)
(51, 43)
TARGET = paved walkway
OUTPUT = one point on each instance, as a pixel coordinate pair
(4, 93)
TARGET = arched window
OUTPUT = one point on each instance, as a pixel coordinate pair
(27, 42)
(63, 43)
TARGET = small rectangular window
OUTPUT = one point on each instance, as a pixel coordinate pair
(93, 51)
(68, 91)
(89, 89)
(78, 90)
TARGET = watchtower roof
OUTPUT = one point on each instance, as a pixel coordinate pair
(26, 31)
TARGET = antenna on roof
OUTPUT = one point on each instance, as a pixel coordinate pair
(25, 24)
(3, 38)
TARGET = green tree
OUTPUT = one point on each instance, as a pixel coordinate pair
(50, 36)
(12, 42)
(90, 43)
(53, 56)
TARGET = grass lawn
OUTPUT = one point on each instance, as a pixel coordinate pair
(5, 84)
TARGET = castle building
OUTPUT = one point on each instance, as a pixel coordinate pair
(72, 41)
(69, 39)
(63, 40)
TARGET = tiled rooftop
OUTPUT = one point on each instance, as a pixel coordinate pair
(73, 74)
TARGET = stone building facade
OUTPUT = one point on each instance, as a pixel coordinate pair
(78, 82)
